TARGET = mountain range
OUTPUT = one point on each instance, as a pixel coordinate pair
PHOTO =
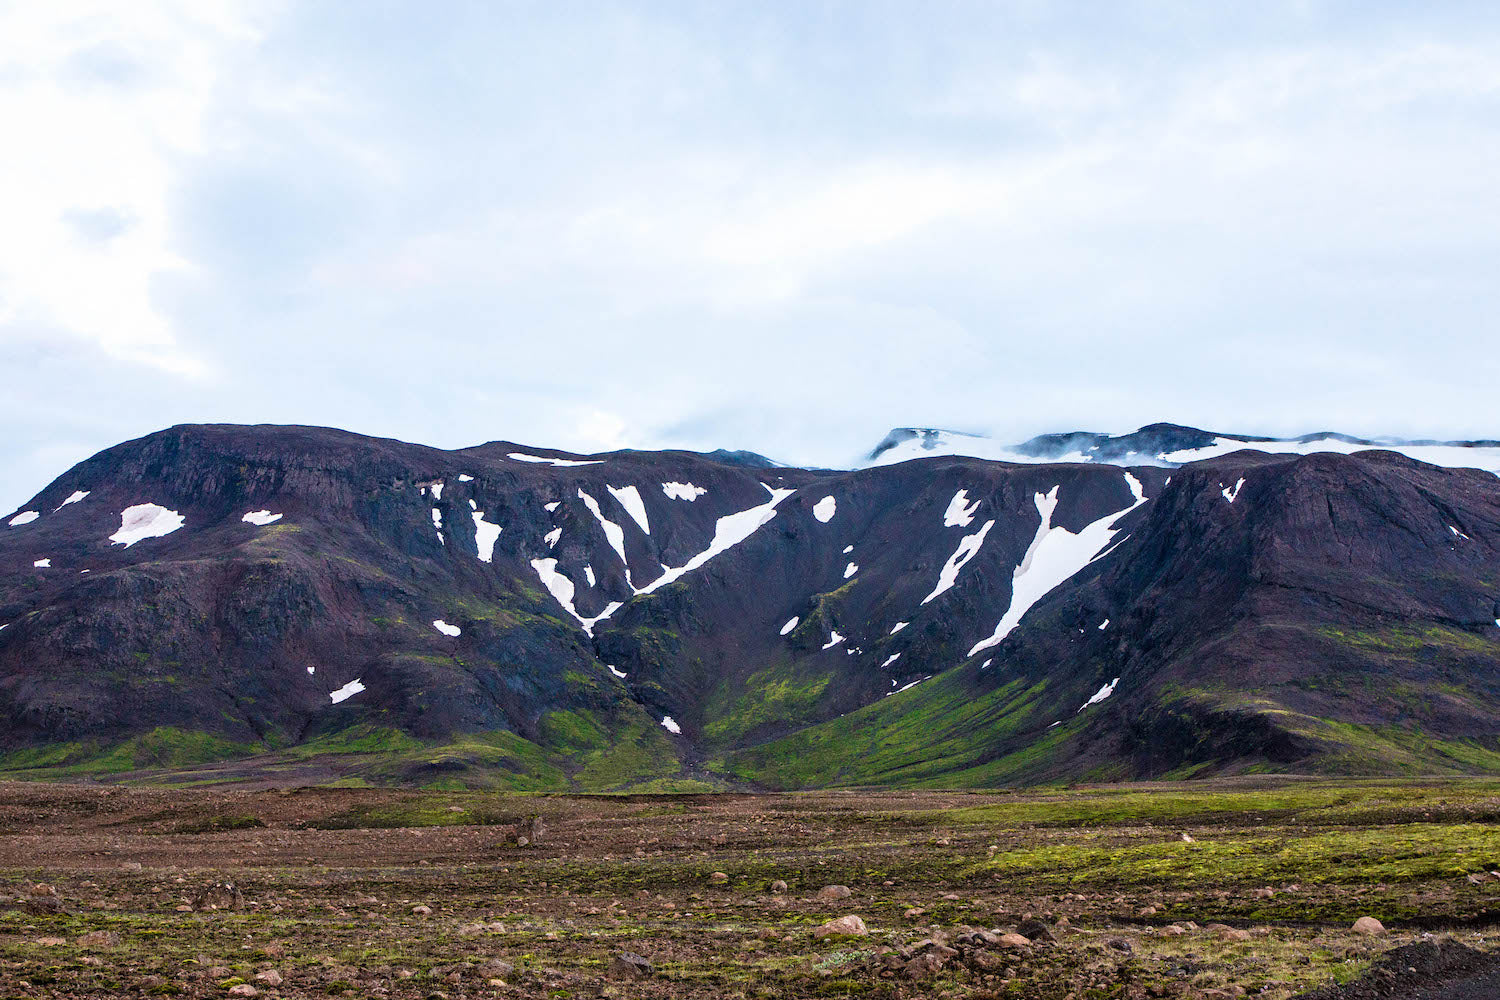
(216, 600)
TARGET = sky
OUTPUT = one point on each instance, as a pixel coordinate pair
(781, 226)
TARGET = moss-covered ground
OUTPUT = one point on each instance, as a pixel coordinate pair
(376, 892)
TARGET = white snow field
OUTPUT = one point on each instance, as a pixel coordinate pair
(261, 518)
(825, 508)
(143, 521)
(682, 491)
(346, 692)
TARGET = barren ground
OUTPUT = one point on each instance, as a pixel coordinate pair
(335, 883)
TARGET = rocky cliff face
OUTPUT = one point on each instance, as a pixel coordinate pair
(508, 616)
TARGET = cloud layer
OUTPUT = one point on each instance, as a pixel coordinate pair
(743, 225)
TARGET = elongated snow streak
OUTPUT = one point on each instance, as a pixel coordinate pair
(25, 517)
(618, 673)
(833, 639)
(1104, 625)
(464, 477)
(682, 491)
(452, 631)
(898, 627)
(630, 498)
(848, 549)
(1458, 534)
(485, 536)
(890, 659)
(145, 520)
(850, 570)
(1230, 494)
(43, 563)
(791, 623)
(1101, 694)
(588, 574)
(77, 496)
(960, 513)
(437, 522)
(729, 531)
(562, 590)
(551, 537)
(1055, 554)
(346, 692)
(612, 531)
(670, 725)
(905, 686)
(561, 463)
(825, 508)
(967, 549)
(261, 518)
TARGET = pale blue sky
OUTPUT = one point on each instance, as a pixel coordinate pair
(777, 226)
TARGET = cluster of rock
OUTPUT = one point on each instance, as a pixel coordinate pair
(974, 947)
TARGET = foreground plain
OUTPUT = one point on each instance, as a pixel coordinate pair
(374, 892)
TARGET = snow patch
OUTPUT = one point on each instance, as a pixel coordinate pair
(549, 508)
(967, 549)
(346, 692)
(561, 463)
(960, 513)
(1101, 694)
(42, 564)
(552, 537)
(1104, 625)
(890, 659)
(682, 491)
(464, 477)
(25, 517)
(618, 673)
(899, 627)
(825, 508)
(145, 520)
(1231, 493)
(850, 570)
(833, 639)
(261, 518)
(437, 490)
(630, 498)
(670, 725)
(613, 533)
(311, 671)
(791, 623)
(562, 590)
(729, 531)
(588, 574)
(905, 686)
(485, 536)
(448, 630)
(986, 663)
(77, 496)
(1459, 534)
(1055, 554)
(848, 549)
(437, 522)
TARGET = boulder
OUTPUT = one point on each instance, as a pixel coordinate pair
(1369, 926)
(629, 965)
(835, 892)
(849, 925)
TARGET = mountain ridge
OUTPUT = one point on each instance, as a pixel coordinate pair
(513, 616)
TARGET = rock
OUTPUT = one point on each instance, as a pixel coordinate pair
(850, 925)
(629, 965)
(1120, 944)
(718, 878)
(244, 990)
(1173, 930)
(1266, 893)
(1014, 941)
(51, 942)
(914, 913)
(924, 965)
(1036, 930)
(1369, 926)
(835, 892)
(270, 977)
(528, 831)
(131, 866)
(778, 887)
(219, 896)
(421, 911)
(99, 939)
(1187, 839)
(42, 906)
